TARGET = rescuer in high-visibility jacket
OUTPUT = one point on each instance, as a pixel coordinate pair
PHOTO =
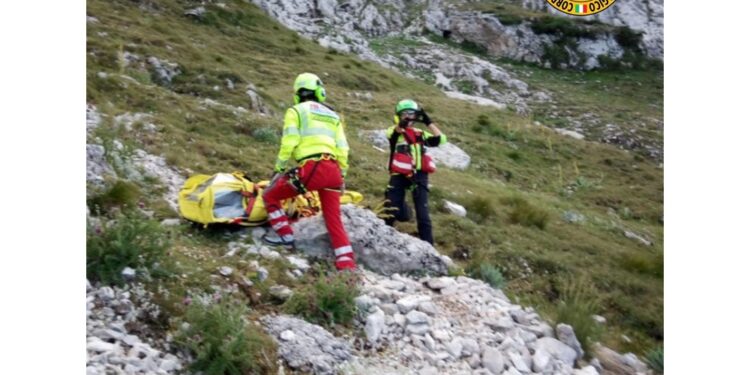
(410, 166)
(314, 137)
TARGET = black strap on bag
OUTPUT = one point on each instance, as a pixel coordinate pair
(393, 140)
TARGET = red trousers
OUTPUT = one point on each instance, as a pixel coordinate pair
(323, 176)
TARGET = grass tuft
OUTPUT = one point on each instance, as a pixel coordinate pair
(655, 359)
(480, 209)
(578, 302)
(528, 215)
(222, 342)
(122, 193)
(131, 240)
(327, 300)
(490, 274)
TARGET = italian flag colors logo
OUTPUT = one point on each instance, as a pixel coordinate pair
(580, 7)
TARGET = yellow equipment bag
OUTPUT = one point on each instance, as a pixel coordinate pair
(229, 198)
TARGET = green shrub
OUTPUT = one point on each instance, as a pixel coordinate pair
(647, 264)
(628, 38)
(556, 54)
(480, 209)
(579, 300)
(526, 214)
(329, 299)
(130, 241)
(508, 19)
(122, 193)
(222, 342)
(515, 155)
(266, 135)
(472, 47)
(561, 26)
(655, 359)
(483, 120)
(490, 274)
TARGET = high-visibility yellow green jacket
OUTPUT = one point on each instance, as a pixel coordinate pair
(311, 128)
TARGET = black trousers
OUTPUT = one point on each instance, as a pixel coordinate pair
(395, 194)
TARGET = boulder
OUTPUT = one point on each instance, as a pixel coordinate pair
(493, 360)
(280, 292)
(557, 350)
(542, 361)
(377, 246)
(437, 283)
(374, 325)
(568, 337)
(163, 71)
(97, 167)
(454, 208)
(314, 350)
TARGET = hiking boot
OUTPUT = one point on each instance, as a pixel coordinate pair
(274, 240)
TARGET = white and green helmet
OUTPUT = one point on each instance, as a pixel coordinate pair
(309, 81)
(406, 104)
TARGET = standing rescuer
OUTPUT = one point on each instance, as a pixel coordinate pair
(314, 136)
(409, 165)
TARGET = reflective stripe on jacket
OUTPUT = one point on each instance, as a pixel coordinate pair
(311, 128)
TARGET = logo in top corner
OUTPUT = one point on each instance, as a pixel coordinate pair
(581, 7)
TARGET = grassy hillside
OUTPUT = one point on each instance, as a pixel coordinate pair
(522, 178)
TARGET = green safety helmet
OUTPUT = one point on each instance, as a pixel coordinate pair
(406, 104)
(309, 81)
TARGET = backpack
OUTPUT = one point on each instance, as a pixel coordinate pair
(403, 163)
(230, 198)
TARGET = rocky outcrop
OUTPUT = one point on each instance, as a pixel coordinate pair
(620, 364)
(646, 16)
(156, 167)
(93, 119)
(377, 246)
(307, 347)
(111, 346)
(98, 169)
(349, 26)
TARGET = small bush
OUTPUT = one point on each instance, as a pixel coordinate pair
(472, 47)
(560, 26)
(628, 38)
(556, 54)
(483, 120)
(655, 359)
(515, 155)
(266, 135)
(578, 301)
(222, 342)
(329, 299)
(490, 274)
(508, 19)
(480, 209)
(528, 215)
(122, 193)
(130, 241)
(647, 264)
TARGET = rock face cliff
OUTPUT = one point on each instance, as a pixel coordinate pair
(463, 47)
(645, 16)
(533, 38)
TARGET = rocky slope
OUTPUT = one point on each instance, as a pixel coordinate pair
(429, 40)
(429, 325)
(405, 325)
(642, 16)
